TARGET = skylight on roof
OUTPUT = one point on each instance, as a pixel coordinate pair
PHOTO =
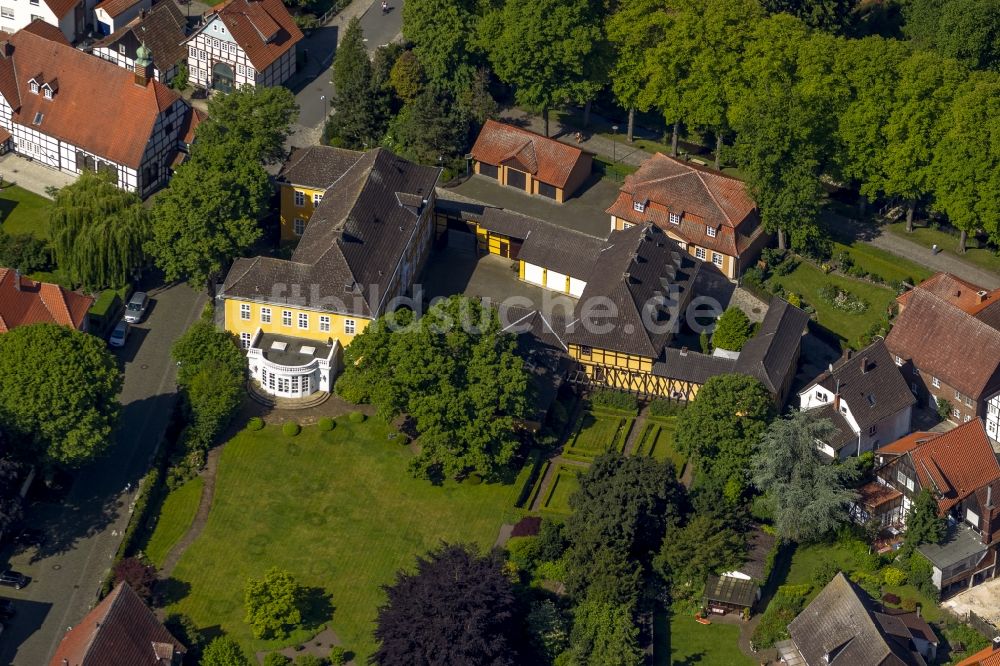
(38, 118)
(871, 399)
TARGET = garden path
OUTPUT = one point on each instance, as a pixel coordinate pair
(942, 261)
(635, 436)
(200, 518)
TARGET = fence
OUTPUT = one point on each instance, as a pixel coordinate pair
(987, 629)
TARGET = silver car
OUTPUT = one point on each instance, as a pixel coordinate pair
(119, 335)
(136, 307)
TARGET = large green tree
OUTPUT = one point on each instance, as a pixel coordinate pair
(721, 427)
(732, 329)
(273, 604)
(256, 118)
(98, 231)
(58, 393)
(924, 523)
(706, 545)
(551, 51)
(429, 129)
(810, 495)
(633, 29)
(968, 30)
(443, 35)
(829, 15)
(455, 373)
(224, 651)
(353, 121)
(605, 634)
(967, 159)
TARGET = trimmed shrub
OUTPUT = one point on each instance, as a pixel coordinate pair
(291, 429)
(326, 424)
(255, 424)
(664, 408)
(732, 330)
(843, 300)
(338, 656)
(620, 400)
(524, 552)
(308, 660)
(893, 577)
(276, 659)
(356, 417)
(788, 602)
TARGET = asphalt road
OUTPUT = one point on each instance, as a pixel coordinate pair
(379, 28)
(84, 528)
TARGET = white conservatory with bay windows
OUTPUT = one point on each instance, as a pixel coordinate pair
(289, 367)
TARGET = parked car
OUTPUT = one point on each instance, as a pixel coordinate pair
(136, 307)
(7, 608)
(14, 579)
(119, 335)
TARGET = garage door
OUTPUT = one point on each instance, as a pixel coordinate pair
(516, 178)
(489, 170)
(576, 287)
(547, 190)
(534, 274)
(556, 281)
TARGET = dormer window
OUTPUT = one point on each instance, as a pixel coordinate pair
(639, 206)
(675, 218)
(710, 231)
(47, 92)
(33, 86)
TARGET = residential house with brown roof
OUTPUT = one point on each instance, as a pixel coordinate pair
(24, 302)
(162, 29)
(967, 297)
(243, 42)
(120, 631)
(366, 243)
(111, 15)
(530, 162)
(72, 111)
(69, 18)
(866, 399)
(711, 215)
(960, 468)
(304, 179)
(948, 348)
(843, 626)
(988, 656)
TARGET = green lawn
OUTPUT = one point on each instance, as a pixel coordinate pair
(806, 280)
(565, 483)
(689, 642)
(175, 518)
(982, 257)
(658, 442)
(599, 432)
(889, 267)
(24, 212)
(339, 510)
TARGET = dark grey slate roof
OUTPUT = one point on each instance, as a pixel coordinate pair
(353, 244)
(644, 274)
(839, 628)
(317, 167)
(960, 543)
(163, 29)
(562, 250)
(843, 434)
(871, 384)
(692, 366)
(539, 343)
(771, 354)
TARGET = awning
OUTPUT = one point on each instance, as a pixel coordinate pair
(875, 494)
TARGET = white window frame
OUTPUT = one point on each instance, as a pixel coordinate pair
(350, 326)
(935, 382)
(699, 253)
(717, 258)
(956, 413)
(303, 321)
(675, 218)
(265, 315)
(7, 12)
(192, 51)
(300, 199)
(245, 311)
(121, 49)
(710, 231)
(820, 396)
(324, 324)
(298, 226)
(245, 340)
(899, 361)
(33, 87)
(627, 225)
(286, 318)
(317, 197)
(639, 206)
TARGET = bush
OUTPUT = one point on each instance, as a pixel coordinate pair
(254, 424)
(788, 602)
(140, 576)
(909, 604)
(824, 572)
(794, 299)
(664, 408)
(326, 424)
(706, 345)
(338, 656)
(870, 583)
(842, 299)
(893, 577)
(785, 267)
(308, 660)
(943, 409)
(772, 256)
(844, 260)
(525, 552)
(474, 479)
(610, 399)
(291, 429)
(356, 417)
(732, 330)
(556, 570)
(25, 252)
(276, 659)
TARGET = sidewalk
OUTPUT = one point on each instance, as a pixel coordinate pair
(942, 261)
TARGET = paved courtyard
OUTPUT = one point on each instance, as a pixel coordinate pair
(32, 176)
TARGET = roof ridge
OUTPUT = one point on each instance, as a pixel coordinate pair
(61, 300)
(923, 293)
(111, 600)
(714, 198)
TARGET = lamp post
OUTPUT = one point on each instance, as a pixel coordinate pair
(614, 144)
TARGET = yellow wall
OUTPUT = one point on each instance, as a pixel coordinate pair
(236, 325)
(289, 211)
(612, 358)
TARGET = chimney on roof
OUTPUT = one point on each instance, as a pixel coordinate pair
(989, 496)
(982, 295)
(6, 49)
(143, 65)
(17, 279)
(996, 642)
(836, 397)
(684, 351)
(864, 365)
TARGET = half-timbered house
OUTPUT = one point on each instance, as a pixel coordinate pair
(243, 42)
(162, 29)
(72, 111)
(69, 17)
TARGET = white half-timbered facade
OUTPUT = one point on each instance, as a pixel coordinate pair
(162, 30)
(76, 112)
(244, 42)
(69, 16)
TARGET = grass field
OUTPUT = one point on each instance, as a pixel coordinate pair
(565, 483)
(875, 260)
(24, 212)
(806, 280)
(658, 441)
(597, 433)
(339, 511)
(982, 257)
(176, 515)
(681, 640)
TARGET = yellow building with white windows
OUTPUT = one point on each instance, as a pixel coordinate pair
(304, 179)
(366, 242)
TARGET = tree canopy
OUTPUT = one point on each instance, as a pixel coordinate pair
(456, 607)
(10, 499)
(923, 524)
(273, 604)
(732, 329)
(455, 373)
(605, 633)
(830, 15)
(224, 651)
(98, 231)
(810, 495)
(720, 428)
(705, 545)
(256, 118)
(58, 397)
(353, 121)
(443, 35)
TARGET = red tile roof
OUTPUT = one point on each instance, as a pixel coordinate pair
(38, 303)
(98, 106)
(964, 295)
(262, 28)
(874, 494)
(956, 463)
(47, 30)
(119, 631)
(115, 7)
(195, 118)
(988, 656)
(61, 7)
(946, 342)
(546, 159)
